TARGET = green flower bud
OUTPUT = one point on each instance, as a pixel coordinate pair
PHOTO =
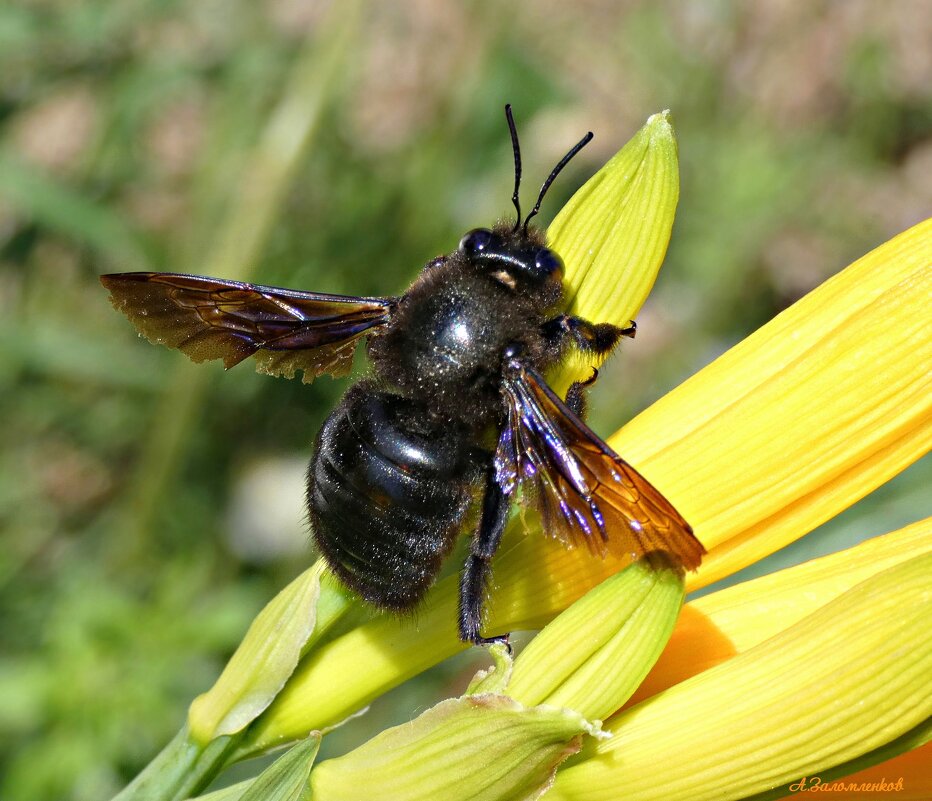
(474, 748)
(594, 655)
(262, 664)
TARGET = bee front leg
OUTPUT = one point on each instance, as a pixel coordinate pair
(479, 563)
(599, 338)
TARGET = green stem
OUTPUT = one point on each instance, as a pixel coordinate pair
(181, 770)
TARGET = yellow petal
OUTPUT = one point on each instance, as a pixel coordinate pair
(717, 626)
(912, 781)
(806, 416)
(843, 681)
(752, 611)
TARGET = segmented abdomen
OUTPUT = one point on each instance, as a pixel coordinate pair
(387, 496)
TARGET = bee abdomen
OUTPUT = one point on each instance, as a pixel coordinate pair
(387, 497)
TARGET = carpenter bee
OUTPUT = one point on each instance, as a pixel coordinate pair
(454, 419)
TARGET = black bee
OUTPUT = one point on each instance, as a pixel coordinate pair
(454, 419)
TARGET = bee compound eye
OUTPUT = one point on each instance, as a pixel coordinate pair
(547, 262)
(476, 240)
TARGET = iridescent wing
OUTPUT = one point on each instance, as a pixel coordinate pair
(209, 318)
(584, 492)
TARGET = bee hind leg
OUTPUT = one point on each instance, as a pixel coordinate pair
(478, 565)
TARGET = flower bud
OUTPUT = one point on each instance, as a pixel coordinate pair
(613, 233)
(262, 663)
(593, 656)
(474, 748)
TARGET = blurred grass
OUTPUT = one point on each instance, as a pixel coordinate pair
(142, 135)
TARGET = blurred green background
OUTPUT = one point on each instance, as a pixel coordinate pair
(149, 507)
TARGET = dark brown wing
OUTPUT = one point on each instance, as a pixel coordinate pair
(209, 318)
(583, 491)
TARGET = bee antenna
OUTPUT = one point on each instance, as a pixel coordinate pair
(556, 171)
(516, 148)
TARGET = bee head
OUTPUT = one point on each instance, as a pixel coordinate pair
(513, 257)
(519, 256)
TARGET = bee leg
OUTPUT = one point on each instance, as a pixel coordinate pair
(479, 563)
(630, 330)
(598, 338)
(576, 394)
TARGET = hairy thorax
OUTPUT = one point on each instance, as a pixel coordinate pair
(445, 345)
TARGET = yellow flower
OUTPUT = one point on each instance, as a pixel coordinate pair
(824, 677)
(807, 415)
